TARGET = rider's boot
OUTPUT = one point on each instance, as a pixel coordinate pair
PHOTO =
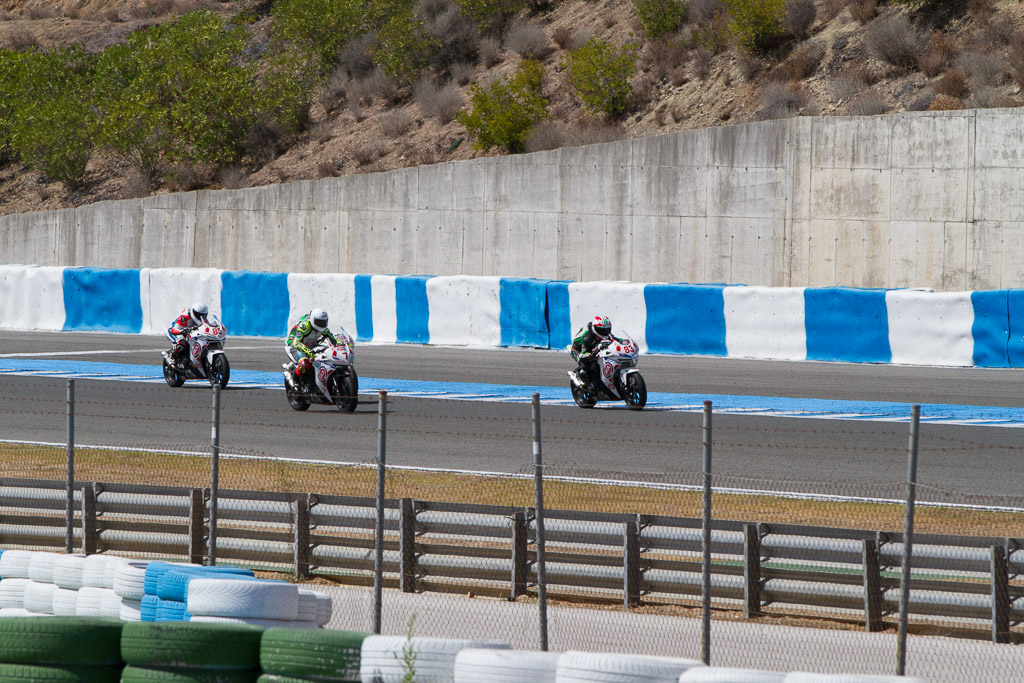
(577, 378)
(289, 376)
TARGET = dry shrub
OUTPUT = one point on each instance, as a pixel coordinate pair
(544, 136)
(663, 55)
(37, 12)
(830, 9)
(185, 177)
(610, 20)
(355, 58)
(381, 86)
(946, 103)
(845, 86)
(528, 39)
(980, 9)
(462, 72)
(232, 177)
(594, 133)
(562, 36)
(864, 11)
(580, 38)
(458, 39)
(440, 103)
(869, 103)
(1015, 58)
(265, 142)
(370, 152)
(136, 185)
(334, 90)
(111, 15)
(489, 51)
(355, 107)
(394, 123)
(21, 40)
(704, 11)
(921, 102)
(678, 76)
(749, 65)
(985, 97)
(983, 68)
(152, 8)
(677, 114)
(931, 64)
(800, 14)
(954, 83)
(326, 169)
(321, 131)
(73, 13)
(7, 16)
(781, 101)
(894, 40)
(802, 63)
(660, 117)
(702, 60)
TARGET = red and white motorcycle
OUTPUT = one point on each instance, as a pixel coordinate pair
(620, 380)
(333, 380)
(205, 359)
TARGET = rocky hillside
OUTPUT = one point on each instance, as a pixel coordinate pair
(838, 57)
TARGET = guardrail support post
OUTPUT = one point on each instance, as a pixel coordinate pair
(89, 519)
(407, 545)
(705, 544)
(378, 526)
(196, 539)
(908, 540)
(872, 586)
(631, 564)
(538, 497)
(1000, 596)
(751, 571)
(214, 473)
(520, 555)
(69, 513)
(300, 511)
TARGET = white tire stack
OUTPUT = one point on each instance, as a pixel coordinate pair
(129, 580)
(12, 593)
(252, 621)
(67, 571)
(14, 564)
(65, 601)
(474, 665)
(90, 601)
(603, 667)
(382, 657)
(39, 597)
(805, 677)
(40, 567)
(720, 674)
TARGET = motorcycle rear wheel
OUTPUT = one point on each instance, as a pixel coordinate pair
(345, 390)
(173, 376)
(220, 370)
(583, 398)
(295, 398)
(636, 391)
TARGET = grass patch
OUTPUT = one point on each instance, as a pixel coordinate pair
(134, 467)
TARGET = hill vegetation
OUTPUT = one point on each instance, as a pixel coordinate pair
(111, 99)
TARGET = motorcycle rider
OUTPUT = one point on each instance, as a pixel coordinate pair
(188, 320)
(583, 346)
(309, 331)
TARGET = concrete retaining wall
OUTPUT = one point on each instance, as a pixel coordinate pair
(792, 323)
(924, 199)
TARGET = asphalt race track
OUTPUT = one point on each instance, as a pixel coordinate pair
(858, 455)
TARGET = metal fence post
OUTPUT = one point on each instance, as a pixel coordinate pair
(538, 490)
(378, 534)
(872, 586)
(520, 555)
(908, 539)
(214, 473)
(69, 514)
(407, 545)
(1000, 595)
(751, 571)
(89, 535)
(705, 562)
(302, 554)
(631, 563)
(196, 537)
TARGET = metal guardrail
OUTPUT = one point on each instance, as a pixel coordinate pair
(972, 583)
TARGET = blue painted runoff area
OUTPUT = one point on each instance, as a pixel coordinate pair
(770, 406)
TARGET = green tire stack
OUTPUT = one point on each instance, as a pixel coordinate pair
(290, 655)
(185, 652)
(60, 650)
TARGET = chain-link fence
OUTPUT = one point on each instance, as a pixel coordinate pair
(705, 560)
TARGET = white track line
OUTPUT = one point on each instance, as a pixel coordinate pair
(100, 352)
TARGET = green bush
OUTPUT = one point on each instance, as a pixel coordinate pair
(404, 47)
(320, 27)
(11, 65)
(503, 112)
(600, 73)
(181, 91)
(659, 17)
(490, 16)
(757, 24)
(52, 120)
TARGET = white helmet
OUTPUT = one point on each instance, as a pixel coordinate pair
(198, 312)
(318, 319)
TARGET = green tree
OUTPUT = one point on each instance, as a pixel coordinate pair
(320, 27)
(11, 67)
(659, 17)
(490, 16)
(286, 88)
(504, 111)
(601, 74)
(52, 120)
(182, 91)
(404, 47)
(757, 24)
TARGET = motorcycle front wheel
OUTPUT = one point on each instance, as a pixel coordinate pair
(345, 391)
(220, 370)
(583, 398)
(636, 391)
(173, 376)
(295, 398)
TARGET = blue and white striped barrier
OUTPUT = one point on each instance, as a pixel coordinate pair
(826, 324)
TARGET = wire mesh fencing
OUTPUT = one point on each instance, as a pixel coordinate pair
(558, 550)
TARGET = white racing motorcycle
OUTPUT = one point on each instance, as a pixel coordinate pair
(205, 358)
(333, 380)
(620, 380)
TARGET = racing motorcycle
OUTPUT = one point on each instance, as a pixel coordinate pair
(332, 381)
(205, 358)
(620, 380)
